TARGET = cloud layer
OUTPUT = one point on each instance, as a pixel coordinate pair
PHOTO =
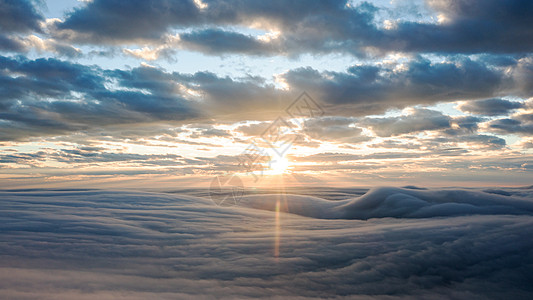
(310, 27)
(115, 245)
(51, 96)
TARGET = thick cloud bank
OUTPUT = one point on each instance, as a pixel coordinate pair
(401, 203)
(389, 243)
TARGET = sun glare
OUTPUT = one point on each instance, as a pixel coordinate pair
(278, 166)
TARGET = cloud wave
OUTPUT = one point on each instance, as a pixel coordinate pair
(132, 245)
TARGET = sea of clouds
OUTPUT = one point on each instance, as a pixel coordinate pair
(388, 243)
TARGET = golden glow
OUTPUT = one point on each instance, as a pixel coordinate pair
(200, 4)
(278, 166)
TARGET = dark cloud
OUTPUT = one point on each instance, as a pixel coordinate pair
(309, 22)
(441, 142)
(19, 16)
(210, 132)
(313, 26)
(18, 44)
(329, 157)
(463, 125)
(487, 141)
(50, 97)
(519, 124)
(337, 129)
(215, 41)
(91, 155)
(223, 96)
(306, 27)
(466, 124)
(418, 120)
(110, 21)
(369, 89)
(397, 144)
(60, 49)
(500, 60)
(491, 107)
(468, 27)
(11, 44)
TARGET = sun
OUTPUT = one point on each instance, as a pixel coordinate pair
(278, 165)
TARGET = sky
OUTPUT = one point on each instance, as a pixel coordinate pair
(172, 94)
(367, 149)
